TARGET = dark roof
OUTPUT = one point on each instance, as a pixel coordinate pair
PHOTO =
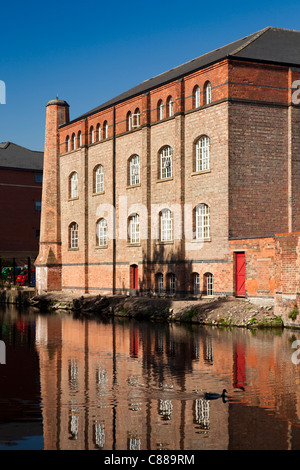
(15, 156)
(273, 45)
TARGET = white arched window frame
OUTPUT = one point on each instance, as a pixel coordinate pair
(202, 222)
(134, 229)
(98, 132)
(166, 162)
(74, 185)
(209, 284)
(92, 132)
(160, 283)
(129, 121)
(68, 143)
(74, 142)
(136, 118)
(73, 231)
(196, 282)
(166, 226)
(160, 110)
(203, 154)
(172, 283)
(99, 179)
(101, 232)
(170, 105)
(134, 168)
(105, 130)
(208, 93)
(79, 139)
(197, 96)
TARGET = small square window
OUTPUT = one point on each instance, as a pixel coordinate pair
(38, 205)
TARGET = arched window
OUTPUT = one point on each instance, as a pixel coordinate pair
(171, 283)
(92, 135)
(136, 118)
(134, 170)
(207, 93)
(129, 121)
(170, 106)
(68, 144)
(159, 283)
(166, 163)
(105, 130)
(73, 185)
(73, 235)
(209, 283)
(73, 141)
(196, 96)
(196, 283)
(166, 225)
(99, 179)
(98, 132)
(203, 153)
(101, 233)
(160, 110)
(79, 138)
(134, 229)
(202, 222)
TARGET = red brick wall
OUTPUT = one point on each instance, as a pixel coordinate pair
(19, 218)
(247, 188)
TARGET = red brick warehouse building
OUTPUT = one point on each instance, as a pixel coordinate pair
(21, 173)
(201, 165)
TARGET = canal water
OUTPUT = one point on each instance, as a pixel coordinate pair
(71, 383)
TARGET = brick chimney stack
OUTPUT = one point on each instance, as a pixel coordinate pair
(48, 262)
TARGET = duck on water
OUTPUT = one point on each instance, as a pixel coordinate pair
(215, 396)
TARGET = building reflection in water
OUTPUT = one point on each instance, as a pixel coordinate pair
(122, 385)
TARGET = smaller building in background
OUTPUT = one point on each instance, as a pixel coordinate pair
(21, 175)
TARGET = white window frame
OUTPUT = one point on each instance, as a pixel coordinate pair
(203, 153)
(197, 97)
(202, 222)
(134, 168)
(99, 179)
(134, 229)
(80, 139)
(166, 163)
(106, 130)
(74, 236)
(161, 110)
(166, 225)
(196, 284)
(172, 283)
(68, 143)
(209, 284)
(129, 118)
(208, 93)
(101, 232)
(74, 185)
(171, 106)
(136, 120)
(92, 135)
(99, 132)
(74, 142)
(160, 283)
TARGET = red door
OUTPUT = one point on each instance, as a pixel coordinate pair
(240, 275)
(134, 277)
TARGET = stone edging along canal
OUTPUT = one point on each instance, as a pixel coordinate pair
(218, 311)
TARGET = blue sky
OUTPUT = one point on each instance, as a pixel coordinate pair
(89, 52)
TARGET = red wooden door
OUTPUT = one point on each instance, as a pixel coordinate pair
(240, 275)
(134, 276)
